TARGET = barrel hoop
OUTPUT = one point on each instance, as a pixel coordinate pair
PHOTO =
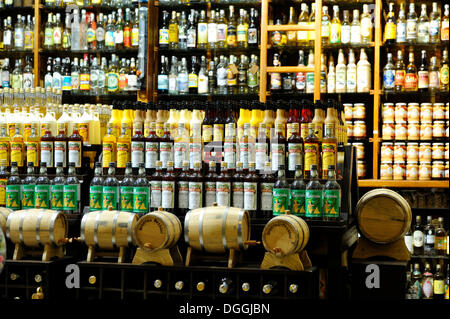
(113, 228)
(38, 228)
(52, 228)
(186, 228)
(289, 220)
(22, 217)
(8, 225)
(82, 227)
(129, 228)
(167, 227)
(224, 221)
(239, 230)
(200, 228)
(97, 218)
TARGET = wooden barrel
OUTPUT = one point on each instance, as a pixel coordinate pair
(383, 215)
(285, 235)
(108, 229)
(216, 229)
(37, 227)
(4, 212)
(157, 230)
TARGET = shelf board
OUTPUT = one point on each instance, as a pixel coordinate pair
(417, 46)
(413, 95)
(403, 183)
(14, 53)
(325, 47)
(214, 4)
(92, 8)
(204, 51)
(13, 9)
(430, 257)
(234, 96)
(81, 53)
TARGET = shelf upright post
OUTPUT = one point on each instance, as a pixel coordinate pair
(37, 43)
(317, 49)
(376, 87)
(263, 51)
(152, 49)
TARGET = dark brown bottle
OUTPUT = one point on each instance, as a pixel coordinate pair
(183, 190)
(251, 191)
(166, 147)
(137, 148)
(278, 147)
(155, 190)
(223, 186)
(75, 150)
(210, 184)
(196, 187)
(294, 150)
(237, 187)
(61, 147)
(266, 184)
(168, 189)
(47, 148)
(151, 149)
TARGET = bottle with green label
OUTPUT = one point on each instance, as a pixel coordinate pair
(280, 193)
(28, 186)
(141, 192)
(72, 191)
(126, 190)
(110, 191)
(96, 188)
(331, 196)
(313, 196)
(4, 175)
(42, 189)
(57, 188)
(14, 189)
(298, 189)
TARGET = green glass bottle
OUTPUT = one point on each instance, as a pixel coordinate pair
(110, 191)
(313, 196)
(280, 193)
(141, 192)
(14, 189)
(42, 189)
(28, 186)
(126, 190)
(72, 191)
(96, 188)
(57, 189)
(331, 196)
(298, 189)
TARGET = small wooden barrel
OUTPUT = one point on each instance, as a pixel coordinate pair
(37, 227)
(4, 212)
(157, 230)
(108, 229)
(383, 215)
(216, 229)
(285, 235)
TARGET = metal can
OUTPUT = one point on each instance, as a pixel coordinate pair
(360, 154)
(348, 111)
(412, 171)
(361, 169)
(425, 152)
(401, 131)
(438, 129)
(359, 129)
(426, 112)
(425, 171)
(401, 112)
(399, 151)
(438, 111)
(359, 111)
(399, 170)
(388, 112)
(387, 152)
(349, 128)
(437, 170)
(426, 131)
(413, 112)
(413, 130)
(412, 152)
(437, 151)
(386, 170)
(388, 132)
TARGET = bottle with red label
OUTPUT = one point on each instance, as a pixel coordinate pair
(411, 81)
(305, 118)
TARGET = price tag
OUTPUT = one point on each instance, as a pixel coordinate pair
(254, 69)
(234, 69)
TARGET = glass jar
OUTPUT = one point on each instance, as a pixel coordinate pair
(387, 152)
(399, 170)
(401, 112)
(425, 171)
(426, 112)
(388, 112)
(399, 152)
(426, 131)
(425, 152)
(413, 131)
(437, 151)
(348, 111)
(413, 112)
(359, 111)
(412, 152)
(438, 111)
(401, 131)
(359, 129)
(388, 132)
(360, 154)
(386, 170)
(412, 171)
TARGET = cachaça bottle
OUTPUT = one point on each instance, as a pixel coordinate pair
(17, 149)
(245, 145)
(29, 184)
(278, 147)
(14, 189)
(75, 149)
(313, 196)
(210, 184)
(109, 147)
(168, 189)
(96, 188)
(47, 147)
(281, 193)
(151, 148)
(57, 189)
(166, 146)
(329, 149)
(295, 150)
(427, 283)
(126, 187)
(61, 147)
(3, 183)
(155, 182)
(141, 192)
(331, 196)
(4, 146)
(72, 191)
(261, 148)
(223, 186)
(196, 187)
(229, 145)
(251, 191)
(267, 181)
(237, 187)
(311, 147)
(42, 189)
(110, 191)
(123, 149)
(137, 148)
(298, 188)
(183, 190)
(438, 283)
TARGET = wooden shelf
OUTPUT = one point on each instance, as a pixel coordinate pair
(403, 184)
(289, 27)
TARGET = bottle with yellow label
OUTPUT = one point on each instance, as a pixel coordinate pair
(123, 148)
(254, 120)
(4, 146)
(109, 147)
(281, 118)
(115, 120)
(94, 126)
(17, 149)
(82, 124)
(390, 28)
(32, 143)
(329, 149)
(318, 120)
(65, 120)
(127, 119)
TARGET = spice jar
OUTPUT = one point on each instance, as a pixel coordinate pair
(360, 154)
(348, 112)
(426, 112)
(425, 152)
(387, 152)
(359, 129)
(437, 170)
(438, 111)
(438, 129)
(426, 131)
(412, 171)
(386, 170)
(437, 151)
(399, 170)
(401, 131)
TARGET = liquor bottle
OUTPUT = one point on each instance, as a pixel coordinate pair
(42, 189)
(28, 34)
(32, 147)
(47, 148)
(28, 187)
(409, 240)
(196, 187)
(422, 74)
(19, 33)
(210, 184)
(223, 186)
(352, 73)
(17, 148)
(195, 145)
(331, 76)
(4, 147)
(267, 183)
(60, 147)
(313, 196)
(429, 233)
(303, 20)
(8, 35)
(444, 72)
(127, 29)
(123, 148)
(72, 191)
(13, 189)
(231, 29)
(202, 31)
(325, 26)
(310, 75)
(433, 76)
(203, 80)
(329, 149)
(400, 73)
(155, 189)
(345, 28)
(253, 34)
(335, 27)
(311, 149)
(411, 81)
(76, 31)
(222, 26)
(251, 191)
(242, 30)
(331, 196)
(48, 34)
(312, 23)
(401, 25)
(100, 33)
(366, 25)
(389, 75)
(297, 190)
(418, 237)
(364, 74)
(281, 193)
(83, 29)
(440, 244)
(193, 77)
(278, 147)
(355, 28)
(411, 25)
(435, 24)
(141, 193)
(415, 289)
(96, 189)
(341, 73)
(152, 148)
(126, 186)
(427, 282)
(110, 190)
(75, 149)
(422, 26)
(445, 26)
(183, 190)
(212, 30)
(438, 283)
(118, 31)
(137, 148)
(390, 28)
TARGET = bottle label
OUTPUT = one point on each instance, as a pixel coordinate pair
(400, 77)
(163, 36)
(118, 36)
(28, 196)
(210, 193)
(168, 194)
(261, 150)
(107, 154)
(434, 27)
(238, 194)
(75, 152)
(280, 200)
(4, 153)
(313, 203)
(335, 36)
(183, 194)
(427, 288)
(3, 182)
(60, 152)
(71, 196)
(123, 82)
(444, 75)
(165, 153)
(218, 132)
(434, 79)
(418, 238)
(156, 194)
(409, 243)
(126, 200)
(223, 190)
(401, 32)
(127, 37)
(17, 153)
(110, 197)
(95, 197)
(389, 79)
(112, 82)
(137, 153)
(440, 243)
(411, 81)
(439, 287)
(163, 82)
(42, 196)
(266, 196)
(298, 202)
(180, 150)
(311, 155)
(252, 35)
(195, 154)
(85, 82)
(47, 153)
(207, 133)
(244, 152)
(391, 31)
(123, 151)
(331, 203)
(278, 155)
(28, 40)
(329, 151)
(151, 154)
(250, 198)
(13, 195)
(67, 83)
(356, 34)
(140, 200)
(195, 195)
(295, 151)
(445, 34)
(48, 37)
(429, 239)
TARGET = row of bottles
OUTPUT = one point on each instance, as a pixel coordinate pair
(18, 35)
(38, 191)
(194, 30)
(430, 239)
(104, 32)
(430, 77)
(411, 28)
(21, 76)
(426, 285)
(221, 75)
(358, 31)
(90, 3)
(91, 75)
(342, 78)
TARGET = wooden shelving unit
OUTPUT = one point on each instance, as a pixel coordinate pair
(403, 183)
